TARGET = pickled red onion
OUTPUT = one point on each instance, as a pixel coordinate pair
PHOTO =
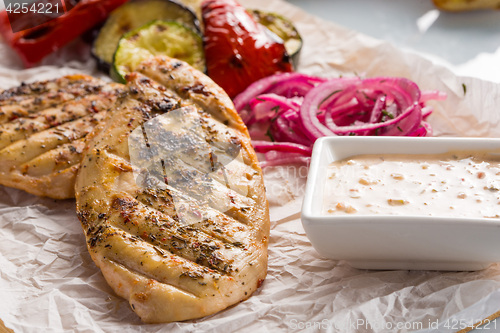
(294, 110)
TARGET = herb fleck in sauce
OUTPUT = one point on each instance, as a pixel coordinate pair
(455, 184)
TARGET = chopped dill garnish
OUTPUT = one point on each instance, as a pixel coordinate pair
(270, 135)
(387, 114)
(327, 97)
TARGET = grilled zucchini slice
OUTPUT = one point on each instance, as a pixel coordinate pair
(284, 29)
(133, 15)
(167, 38)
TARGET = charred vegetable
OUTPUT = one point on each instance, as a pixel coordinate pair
(157, 38)
(284, 29)
(238, 50)
(134, 15)
(32, 45)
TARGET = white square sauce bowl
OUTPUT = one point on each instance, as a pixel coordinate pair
(394, 236)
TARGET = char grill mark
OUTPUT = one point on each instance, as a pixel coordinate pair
(151, 275)
(55, 160)
(190, 172)
(31, 98)
(42, 142)
(183, 275)
(43, 126)
(207, 242)
(214, 223)
(168, 235)
(198, 90)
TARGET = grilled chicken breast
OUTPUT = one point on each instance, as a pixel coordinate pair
(171, 197)
(43, 126)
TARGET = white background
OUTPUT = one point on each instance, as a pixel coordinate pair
(467, 42)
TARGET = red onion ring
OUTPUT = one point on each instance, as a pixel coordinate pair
(265, 146)
(295, 109)
(285, 84)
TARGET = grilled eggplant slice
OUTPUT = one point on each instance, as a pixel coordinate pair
(194, 5)
(284, 29)
(133, 15)
(167, 38)
(176, 229)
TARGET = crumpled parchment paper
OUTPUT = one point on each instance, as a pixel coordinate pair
(48, 283)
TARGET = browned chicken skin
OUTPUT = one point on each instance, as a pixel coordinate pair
(43, 126)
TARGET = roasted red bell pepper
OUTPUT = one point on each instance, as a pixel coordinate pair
(238, 50)
(34, 44)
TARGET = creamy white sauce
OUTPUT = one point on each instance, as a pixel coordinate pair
(456, 184)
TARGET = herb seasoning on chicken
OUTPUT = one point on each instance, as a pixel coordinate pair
(171, 197)
(43, 126)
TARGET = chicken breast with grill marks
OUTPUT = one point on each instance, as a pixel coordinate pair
(43, 126)
(171, 197)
